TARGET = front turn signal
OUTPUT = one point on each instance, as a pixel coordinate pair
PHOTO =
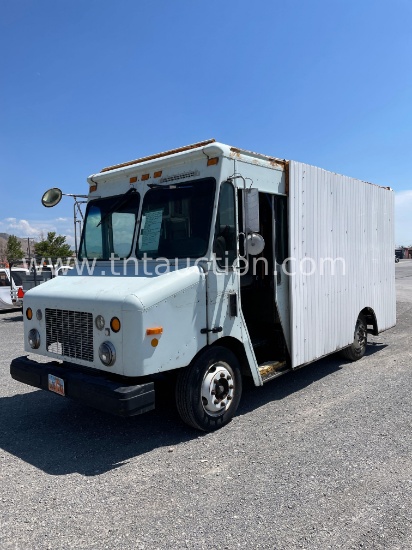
(154, 330)
(115, 324)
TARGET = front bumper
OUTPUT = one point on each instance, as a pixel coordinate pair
(94, 389)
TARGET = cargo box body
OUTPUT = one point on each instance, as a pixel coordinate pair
(342, 229)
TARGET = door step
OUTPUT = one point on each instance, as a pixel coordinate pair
(272, 369)
(259, 342)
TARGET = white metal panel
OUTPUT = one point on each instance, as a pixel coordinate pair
(266, 179)
(181, 314)
(349, 222)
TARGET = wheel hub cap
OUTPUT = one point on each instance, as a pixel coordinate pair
(217, 389)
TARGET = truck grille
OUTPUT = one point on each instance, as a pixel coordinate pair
(69, 333)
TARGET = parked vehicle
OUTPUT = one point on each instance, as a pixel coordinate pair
(10, 284)
(36, 277)
(211, 263)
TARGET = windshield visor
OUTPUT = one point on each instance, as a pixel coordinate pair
(109, 227)
(176, 220)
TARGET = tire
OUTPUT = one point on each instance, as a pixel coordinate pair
(215, 370)
(360, 339)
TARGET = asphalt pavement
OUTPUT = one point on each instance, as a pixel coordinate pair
(319, 458)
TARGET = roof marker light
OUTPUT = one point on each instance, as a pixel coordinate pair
(212, 161)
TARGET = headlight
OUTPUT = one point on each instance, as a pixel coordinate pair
(107, 354)
(34, 338)
(99, 321)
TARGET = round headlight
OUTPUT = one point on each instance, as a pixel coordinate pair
(107, 354)
(99, 321)
(34, 338)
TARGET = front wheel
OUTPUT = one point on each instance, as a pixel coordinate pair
(360, 339)
(208, 390)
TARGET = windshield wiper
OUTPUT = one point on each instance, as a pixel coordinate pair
(122, 200)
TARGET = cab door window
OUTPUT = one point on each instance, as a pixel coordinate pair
(224, 244)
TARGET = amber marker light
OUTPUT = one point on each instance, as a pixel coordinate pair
(133, 180)
(145, 177)
(93, 188)
(154, 330)
(212, 161)
(157, 174)
(29, 313)
(115, 324)
(154, 342)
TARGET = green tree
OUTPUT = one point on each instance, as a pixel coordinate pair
(14, 251)
(54, 246)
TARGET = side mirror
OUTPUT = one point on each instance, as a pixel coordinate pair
(51, 197)
(251, 197)
(255, 243)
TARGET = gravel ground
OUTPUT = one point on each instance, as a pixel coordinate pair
(319, 458)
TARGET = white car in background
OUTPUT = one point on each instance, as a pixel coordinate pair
(25, 280)
(10, 285)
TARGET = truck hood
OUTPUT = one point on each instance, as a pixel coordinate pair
(78, 292)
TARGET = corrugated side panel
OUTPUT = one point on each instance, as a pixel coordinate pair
(350, 222)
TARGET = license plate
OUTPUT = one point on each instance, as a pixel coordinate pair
(56, 384)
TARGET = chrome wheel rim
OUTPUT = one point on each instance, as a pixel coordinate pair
(218, 387)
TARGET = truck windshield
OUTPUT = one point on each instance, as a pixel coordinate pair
(176, 220)
(19, 277)
(109, 227)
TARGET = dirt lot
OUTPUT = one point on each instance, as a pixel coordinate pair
(319, 458)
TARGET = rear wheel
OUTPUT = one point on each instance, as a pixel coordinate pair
(360, 339)
(208, 390)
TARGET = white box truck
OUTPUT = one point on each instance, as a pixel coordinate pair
(210, 263)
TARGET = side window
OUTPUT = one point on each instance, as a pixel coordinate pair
(4, 280)
(93, 234)
(224, 245)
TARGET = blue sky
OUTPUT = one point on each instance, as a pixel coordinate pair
(89, 83)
